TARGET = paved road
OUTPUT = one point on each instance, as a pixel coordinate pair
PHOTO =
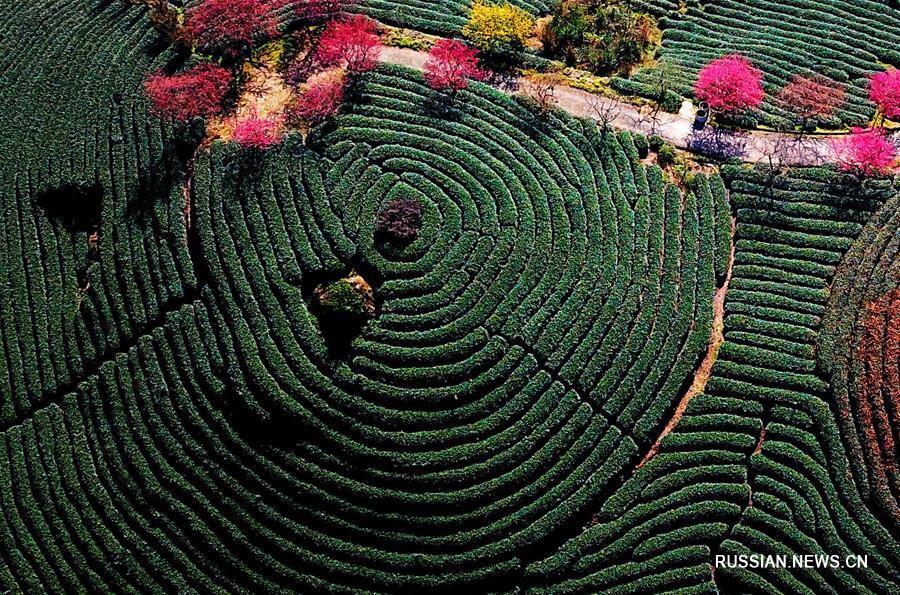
(677, 128)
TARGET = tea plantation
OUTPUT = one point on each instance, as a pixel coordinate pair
(446, 17)
(175, 416)
(845, 40)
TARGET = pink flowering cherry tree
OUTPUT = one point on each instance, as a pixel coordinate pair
(884, 92)
(730, 85)
(450, 65)
(352, 42)
(231, 27)
(197, 92)
(255, 132)
(866, 152)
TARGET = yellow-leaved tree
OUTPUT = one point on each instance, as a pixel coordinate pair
(498, 28)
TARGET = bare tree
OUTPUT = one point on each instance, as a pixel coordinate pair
(540, 92)
(605, 110)
(163, 17)
(663, 78)
(777, 152)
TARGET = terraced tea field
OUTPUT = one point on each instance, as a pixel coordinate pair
(580, 377)
(446, 17)
(845, 40)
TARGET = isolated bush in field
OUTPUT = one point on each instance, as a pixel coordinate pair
(352, 42)
(400, 220)
(812, 97)
(198, 92)
(865, 152)
(346, 299)
(498, 28)
(254, 132)
(450, 65)
(884, 92)
(730, 85)
(655, 142)
(642, 146)
(231, 27)
(319, 100)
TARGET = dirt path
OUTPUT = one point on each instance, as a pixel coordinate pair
(701, 376)
(756, 146)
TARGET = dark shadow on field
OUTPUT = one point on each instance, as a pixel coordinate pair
(444, 106)
(77, 207)
(719, 143)
(164, 174)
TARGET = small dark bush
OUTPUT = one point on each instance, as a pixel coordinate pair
(671, 102)
(400, 220)
(642, 146)
(656, 142)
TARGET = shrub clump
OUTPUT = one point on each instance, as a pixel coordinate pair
(350, 299)
(400, 220)
(666, 156)
(642, 146)
(498, 28)
(603, 35)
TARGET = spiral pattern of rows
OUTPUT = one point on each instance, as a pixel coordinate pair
(172, 416)
(174, 419)
(518, 363)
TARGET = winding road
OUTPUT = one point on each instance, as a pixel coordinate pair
(753, 147)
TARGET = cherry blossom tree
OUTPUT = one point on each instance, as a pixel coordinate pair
(259, 133)
(352, 42)
(231, 27)
(197, 92)
(730, 85)
(450, 65)
(812, 97)
(319, 101)
(865, 152)
(884, 92)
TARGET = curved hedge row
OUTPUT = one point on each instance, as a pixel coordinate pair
(77, 138)
(860, 350)
(845, 40)
(756, 466)
(444, 17)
